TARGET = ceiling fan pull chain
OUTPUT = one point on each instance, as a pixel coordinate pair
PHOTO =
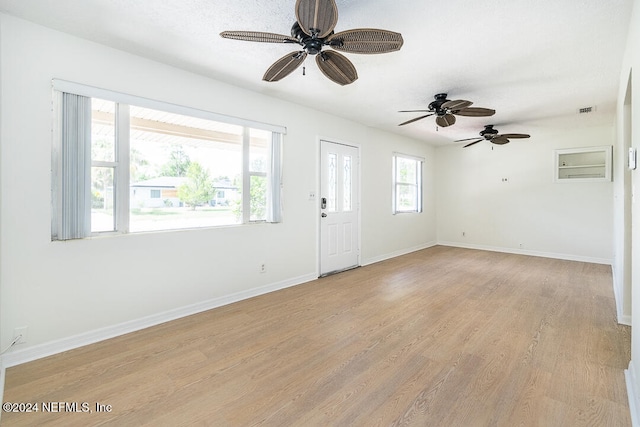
(304, 70)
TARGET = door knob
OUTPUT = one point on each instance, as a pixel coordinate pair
(324, 215)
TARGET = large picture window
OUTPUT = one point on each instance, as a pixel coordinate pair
(124, 165)
(407, 183)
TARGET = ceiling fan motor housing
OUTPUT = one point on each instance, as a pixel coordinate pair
(437, 105)
(488, 131)
(312, 45)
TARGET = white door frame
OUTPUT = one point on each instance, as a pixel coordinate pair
(357, 201)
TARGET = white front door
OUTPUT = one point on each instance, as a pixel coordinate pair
(339, 205)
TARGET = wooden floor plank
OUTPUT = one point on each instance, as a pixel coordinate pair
(442, 336)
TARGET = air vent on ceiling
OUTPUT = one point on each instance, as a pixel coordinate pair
(586, 110)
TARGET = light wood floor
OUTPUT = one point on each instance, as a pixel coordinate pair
(439, 337)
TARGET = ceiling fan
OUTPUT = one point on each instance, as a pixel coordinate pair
(445, 111)
(313, 30)
(490, 134)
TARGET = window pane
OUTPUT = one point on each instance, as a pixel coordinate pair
(102, 199)
(258, 199)
(103, 130)
(406, 170)
(258, 150)
(407, 198)
(332, 188)
(347, 184)
(259, 144)
(194, 165)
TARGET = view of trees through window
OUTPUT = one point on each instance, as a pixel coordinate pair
(184, 172)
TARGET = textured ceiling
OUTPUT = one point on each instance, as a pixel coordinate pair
(535, 62)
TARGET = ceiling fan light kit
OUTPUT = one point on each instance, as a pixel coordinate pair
(314, 30)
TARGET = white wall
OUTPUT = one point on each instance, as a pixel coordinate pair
(504, 197)
(84, 288)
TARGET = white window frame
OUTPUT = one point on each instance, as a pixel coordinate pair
(418, 185)
(121, 162)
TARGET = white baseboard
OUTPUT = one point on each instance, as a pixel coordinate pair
(567, 257)
(398, 253)
(69, 343)
(632, 393)
(623, 319)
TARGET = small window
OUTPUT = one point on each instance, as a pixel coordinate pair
(407, 183)
(155, 194)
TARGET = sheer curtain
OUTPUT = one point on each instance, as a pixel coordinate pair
(75, 168)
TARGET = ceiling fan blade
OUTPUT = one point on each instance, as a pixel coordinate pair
(317, 17)
(456, 105)
(446, 120)
(475, 112)
(284, 66)
(366, 40)
(515, 135)
(337, 68)
(468, 139)
(500, 140)
(257, 36)
(416, 119)
(474, 142)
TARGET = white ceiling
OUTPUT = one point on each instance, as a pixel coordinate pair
(535, 62)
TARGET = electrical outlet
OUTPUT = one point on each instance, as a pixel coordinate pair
(263, 267)
(21, 331)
